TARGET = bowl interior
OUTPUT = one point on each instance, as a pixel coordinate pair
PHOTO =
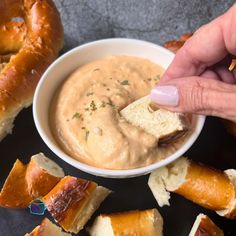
(70, 61)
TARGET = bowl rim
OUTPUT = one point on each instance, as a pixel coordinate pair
(108, 173)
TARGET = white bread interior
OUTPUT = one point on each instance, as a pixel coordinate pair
(47, 228)
(97, 197)
(102, 225)
(231, 173)
(168, 178)
(160, 123)
(48, 165)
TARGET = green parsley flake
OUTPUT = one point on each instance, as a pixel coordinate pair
(93, 106)
(103, 104)
(124, 82)
(77, 115)
(89, 94)
(157, 78)
(86, 135)
(110, 103)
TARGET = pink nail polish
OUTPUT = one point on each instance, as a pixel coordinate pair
(165, 95)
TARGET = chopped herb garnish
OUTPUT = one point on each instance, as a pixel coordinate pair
(77, 115)
(93, 106)
(124, 82)
(83, 127)
(86, 135)
(86, 109)
(157, 78)
(103, 104)
(110, 103)
(89, 94)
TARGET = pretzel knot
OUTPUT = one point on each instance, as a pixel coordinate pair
(31, 35)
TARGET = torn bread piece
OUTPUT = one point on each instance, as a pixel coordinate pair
(143, 223)
(230, 212)
(210, 188)
(203, 225)
(47, 228)
(27, 182)
(14, 193)
(73, 201)
(42, 175)
(164, 125)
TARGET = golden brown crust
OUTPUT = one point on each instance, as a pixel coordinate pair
(41, 45)
(39, 181)
(12, 35)
(67, 198)
(230, 126)
(206, 227)
(207, 187)
(14, 193)
(175, 45)
(25, 183)
(47, 228)
(133, 223)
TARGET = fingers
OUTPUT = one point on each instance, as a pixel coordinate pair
(208, 46)
(197, 95)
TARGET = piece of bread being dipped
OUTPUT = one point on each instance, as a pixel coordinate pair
(166, 126)
(132, 223)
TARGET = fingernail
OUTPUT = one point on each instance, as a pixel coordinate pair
(165, 95)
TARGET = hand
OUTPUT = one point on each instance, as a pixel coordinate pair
(199, 80)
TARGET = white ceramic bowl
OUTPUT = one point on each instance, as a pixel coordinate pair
(78, 56)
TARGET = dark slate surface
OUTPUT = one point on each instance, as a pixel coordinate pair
(152, 20)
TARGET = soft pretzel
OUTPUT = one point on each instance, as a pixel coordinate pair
(47, 228)
(27, 182)
(37, 48)
(142, 223)
(12, 35)
(208, 187)
(73, 201)
(203, 225)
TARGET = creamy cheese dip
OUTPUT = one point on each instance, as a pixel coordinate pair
(85, 117)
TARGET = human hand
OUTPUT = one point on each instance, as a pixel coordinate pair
(198, 80)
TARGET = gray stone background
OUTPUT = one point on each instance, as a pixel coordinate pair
(152, 20)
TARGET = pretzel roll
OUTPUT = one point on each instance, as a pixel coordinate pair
(73, 201)
(42, 175)
(12, 35)
(14, 193)
(175, 45)
(42, 43)
(10, 9)
(27, 182)
(47, 228)
(208, 187)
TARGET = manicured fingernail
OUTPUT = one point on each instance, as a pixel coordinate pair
(165, 95)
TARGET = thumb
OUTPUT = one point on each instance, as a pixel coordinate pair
(197, 95)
